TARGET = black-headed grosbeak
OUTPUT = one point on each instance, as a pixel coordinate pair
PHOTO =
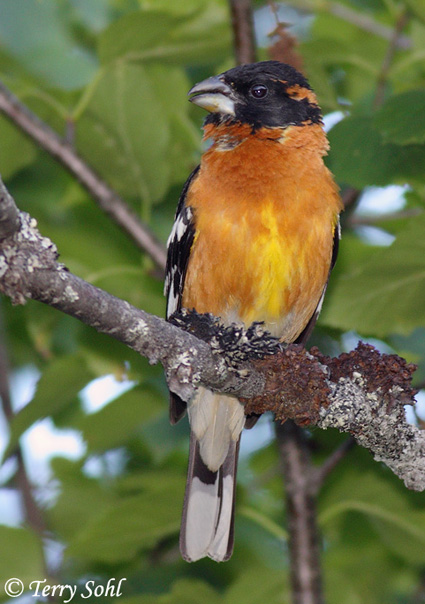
(254, 239)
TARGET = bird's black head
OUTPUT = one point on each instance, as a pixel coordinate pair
(267, 94)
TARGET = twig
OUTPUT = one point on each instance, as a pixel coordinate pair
(355, 18)
(105, 197)
(419, 594)
(304, 543)
(350, 197)
(320, 474)
(243, 31)
(377, 219)
(33, 515)
(389, 57)
(285, 48)
(420, 385)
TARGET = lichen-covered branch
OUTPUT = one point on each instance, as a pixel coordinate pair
(385, 432)
(362, 393)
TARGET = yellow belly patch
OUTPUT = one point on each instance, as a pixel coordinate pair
(269, 257)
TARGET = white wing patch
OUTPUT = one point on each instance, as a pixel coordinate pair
(179, 244)
(180, 226)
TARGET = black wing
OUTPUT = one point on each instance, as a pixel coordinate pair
(179, 246)
(306, 333)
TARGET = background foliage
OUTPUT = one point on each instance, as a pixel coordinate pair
(113, 75)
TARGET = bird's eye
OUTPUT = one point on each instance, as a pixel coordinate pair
(258, 91)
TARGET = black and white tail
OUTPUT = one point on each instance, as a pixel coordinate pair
(209, 504)
(207, 527)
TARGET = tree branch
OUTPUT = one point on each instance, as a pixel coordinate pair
(362, 393)
(33, 514)
(397, 33)
(304, 542)
(382, 428)
(243, 31)
(322, 472)
(105, 197)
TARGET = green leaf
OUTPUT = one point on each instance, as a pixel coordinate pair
(193, 591)
(120, 420)
(352, 565)
(94, 14)
(134, 523)
(183, 591)
(385, 293)
(168, 36)
(418, 8)
(183, 7)
(396, 515)
(359, 156)
(349, 57)
(171, 86)
(54, 56)
(412, 348)
(81, 499)
(58, 386)
(24, 559)
(261, 536)
(125, 133)
(162, 438)
(272, 588)
(135, 128)
(16, 151)
(136, 33)
(401, 120)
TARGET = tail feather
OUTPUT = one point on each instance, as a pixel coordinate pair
(177, 408)
(208, 512)
(216, 420)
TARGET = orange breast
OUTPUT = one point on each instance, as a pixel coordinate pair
(265, 215)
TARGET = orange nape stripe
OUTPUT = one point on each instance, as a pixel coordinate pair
(265, 214)
(300, 92)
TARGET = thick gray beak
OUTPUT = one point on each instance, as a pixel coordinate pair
(213, 95)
